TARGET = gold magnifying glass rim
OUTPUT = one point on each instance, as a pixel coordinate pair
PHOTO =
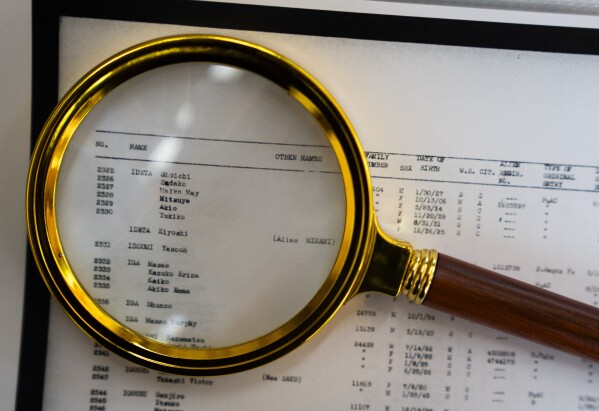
(343, 279)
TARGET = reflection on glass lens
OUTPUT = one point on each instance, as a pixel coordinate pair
(200, 205)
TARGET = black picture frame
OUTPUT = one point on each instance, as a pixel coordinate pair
(46, 18)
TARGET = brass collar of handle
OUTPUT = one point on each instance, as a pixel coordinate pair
(419, 275)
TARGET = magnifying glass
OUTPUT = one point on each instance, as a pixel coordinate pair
(201, 205)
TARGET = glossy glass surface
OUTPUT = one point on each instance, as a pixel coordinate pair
(200, 205)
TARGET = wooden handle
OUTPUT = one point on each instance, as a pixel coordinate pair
(488, 298)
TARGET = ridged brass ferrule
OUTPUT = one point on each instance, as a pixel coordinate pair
(419, 275)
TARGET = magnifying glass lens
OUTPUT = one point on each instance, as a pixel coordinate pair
(200, 205)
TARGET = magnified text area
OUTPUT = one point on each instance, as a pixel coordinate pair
(200, 205)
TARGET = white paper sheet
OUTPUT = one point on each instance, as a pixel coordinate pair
(488, 155)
